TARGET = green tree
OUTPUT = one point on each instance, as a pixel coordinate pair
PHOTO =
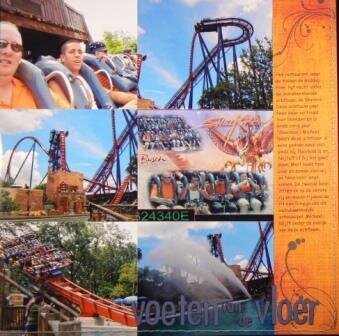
(42, 186)
(248, 88)
(127, 282)
(132, 168)
(220, 97)
(6, 183)
(97, 253)
(6, 202)
(139, 253)
(117, 42)
(144, 273)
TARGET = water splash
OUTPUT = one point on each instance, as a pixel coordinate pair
(193, 258)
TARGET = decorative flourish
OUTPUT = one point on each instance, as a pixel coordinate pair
(300, 27)
(301, 290)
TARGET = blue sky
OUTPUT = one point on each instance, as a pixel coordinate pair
(238, 238)
(88, 142)
(165, 31)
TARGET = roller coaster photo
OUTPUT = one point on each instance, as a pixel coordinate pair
(228, 65)
(107, 80)
(215, 62)
(215, 264)
(111, 192)
(37, 272)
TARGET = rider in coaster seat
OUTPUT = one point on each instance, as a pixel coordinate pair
(244, 193)
(164, 192)
(122, 64)
(22, 85)
(209, 184)
(121, 86)
(261, 194)
(130, 61)
(71, 72)
(223, 199)
(195, 196)
(61, 80)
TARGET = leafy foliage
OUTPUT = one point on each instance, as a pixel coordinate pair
(127, 279)
(6, 202)
(248, 88)
(117, 42)
(132, 168)
(98, 254)
(42, 186)
(6, 183)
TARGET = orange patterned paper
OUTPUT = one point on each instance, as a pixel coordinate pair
(306, 166)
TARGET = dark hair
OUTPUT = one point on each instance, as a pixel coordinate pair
(96, 46)
(64, 45)
(195, 175)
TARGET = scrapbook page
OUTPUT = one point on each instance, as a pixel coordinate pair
(169, 167)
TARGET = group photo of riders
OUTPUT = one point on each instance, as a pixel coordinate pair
(215, 162)
(210, 192)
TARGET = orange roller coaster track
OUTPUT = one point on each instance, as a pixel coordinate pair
(91, 304)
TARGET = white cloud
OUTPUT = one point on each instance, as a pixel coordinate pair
(89, 146)
(230, 7)
(211, 38)
(82, 164)
(166, 230)
(85, 184)
(238, 257)
(190, 3)
(141, 30)
(168, 76)
(262, 268)
(250, 5)
(25, 173)
(155, 91)
(257, 12)
(155, 1)
(242, 263)
(15, 121)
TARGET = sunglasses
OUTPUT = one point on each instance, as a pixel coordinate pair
(16, 47)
